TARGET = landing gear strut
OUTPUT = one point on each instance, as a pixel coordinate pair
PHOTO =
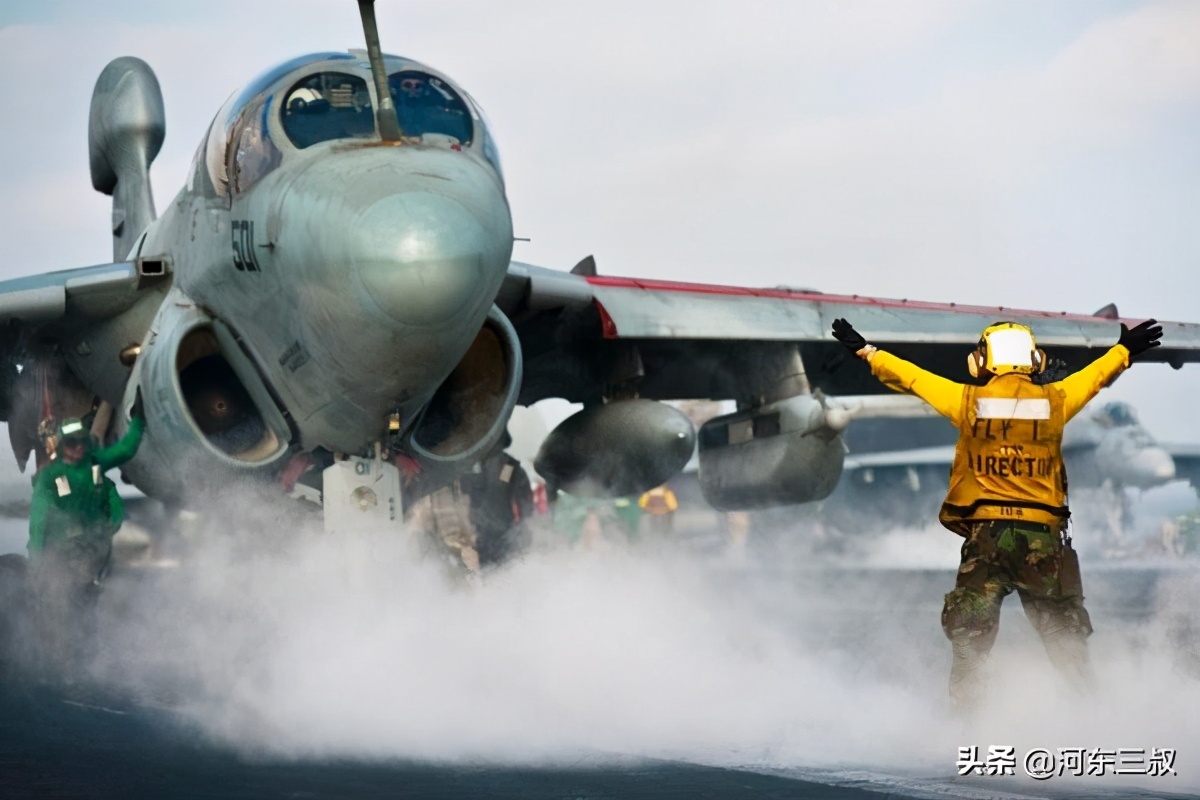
(361, 493)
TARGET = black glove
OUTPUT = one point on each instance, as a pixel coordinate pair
(844, 332)
(1142, 337)
(136, 410)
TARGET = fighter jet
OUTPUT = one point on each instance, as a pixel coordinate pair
(330, 298)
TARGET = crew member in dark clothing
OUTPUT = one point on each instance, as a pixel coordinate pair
(501, 499)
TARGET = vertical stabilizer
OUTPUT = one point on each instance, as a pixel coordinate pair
(125, 131)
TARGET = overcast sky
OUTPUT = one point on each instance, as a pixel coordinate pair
(1036, 154)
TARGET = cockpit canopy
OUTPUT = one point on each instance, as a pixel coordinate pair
(331, 97)
(1118, 415)
(326, 106)
(427, 104)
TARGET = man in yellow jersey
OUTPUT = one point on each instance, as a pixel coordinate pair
(1008, 489)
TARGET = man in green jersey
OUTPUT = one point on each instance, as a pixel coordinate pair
(73, 516)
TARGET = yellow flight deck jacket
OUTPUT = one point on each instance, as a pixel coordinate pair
(1008, 461)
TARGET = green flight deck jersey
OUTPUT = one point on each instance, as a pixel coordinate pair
(76, 504)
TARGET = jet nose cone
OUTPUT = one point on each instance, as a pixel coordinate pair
(1152, 466)
(424, 259)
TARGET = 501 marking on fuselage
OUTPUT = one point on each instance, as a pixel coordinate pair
(244, 258)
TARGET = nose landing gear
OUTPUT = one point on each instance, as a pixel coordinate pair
(359, 493)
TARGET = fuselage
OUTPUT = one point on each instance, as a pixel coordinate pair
(1110, 446)
(353, 273)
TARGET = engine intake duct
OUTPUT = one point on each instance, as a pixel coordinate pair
(218, 403)
(208, 406)
(469, 412)
(621, 448)
(785, 452)
(205, 388)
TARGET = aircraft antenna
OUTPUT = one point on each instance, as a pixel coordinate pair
(385, 113)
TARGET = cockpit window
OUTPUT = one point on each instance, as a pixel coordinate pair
(216, 148)
(426, 104)
(251, 153)
(490, 151)
(329, 105)
(1120, 415)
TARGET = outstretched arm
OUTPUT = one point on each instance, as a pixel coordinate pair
(945, 396)
(126, 448)
(1082, 386)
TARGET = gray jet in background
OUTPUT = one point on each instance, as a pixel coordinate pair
(899, 458)
(330, 299)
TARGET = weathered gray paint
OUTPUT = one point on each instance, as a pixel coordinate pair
(376, 267)
(797, 460)
(126, 128)
(44, 298)
(625, 447)
(176, 438)
(800, 316)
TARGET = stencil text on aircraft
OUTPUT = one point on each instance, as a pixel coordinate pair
(244, 257)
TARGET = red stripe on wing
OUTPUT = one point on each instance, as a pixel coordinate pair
(818, 297)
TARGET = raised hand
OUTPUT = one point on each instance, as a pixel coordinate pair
(844, 332)
(1141, 338)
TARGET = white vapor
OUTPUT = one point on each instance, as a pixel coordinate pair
(291, 644)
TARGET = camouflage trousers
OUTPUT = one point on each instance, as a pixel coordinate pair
(445, 516)
(998, 557)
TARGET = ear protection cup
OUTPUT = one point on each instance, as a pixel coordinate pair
(974, 362)
(1039, 360)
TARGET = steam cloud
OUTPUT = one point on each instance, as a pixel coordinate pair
(280, 641)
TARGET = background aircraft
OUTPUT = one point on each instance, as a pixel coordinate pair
(897, 466)
(586, 338)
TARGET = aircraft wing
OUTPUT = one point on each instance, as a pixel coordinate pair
(88, 293)
(68, 299)
(902, 459)
(63, 303)
(918, 475)
(583, 333)
(71, 298)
